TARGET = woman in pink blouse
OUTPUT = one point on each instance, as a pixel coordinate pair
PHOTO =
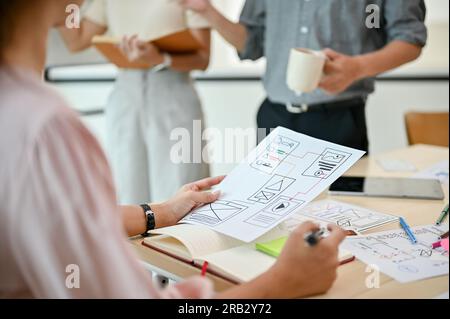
(58, 205)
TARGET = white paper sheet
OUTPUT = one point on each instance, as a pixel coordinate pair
(438, 171)
(394, 254)
(442, 296)
(395, 165)
(350, 217)
(283, 174)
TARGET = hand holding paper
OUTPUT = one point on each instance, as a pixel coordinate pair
(285, 172)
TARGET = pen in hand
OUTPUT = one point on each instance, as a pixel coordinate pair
(314, 237)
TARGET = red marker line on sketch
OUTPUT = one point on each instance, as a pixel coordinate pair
(302, 157)
(305, 193)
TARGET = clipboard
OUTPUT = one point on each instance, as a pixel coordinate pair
(181, 42)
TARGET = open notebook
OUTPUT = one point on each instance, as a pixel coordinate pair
(175, 43)
(227, 257)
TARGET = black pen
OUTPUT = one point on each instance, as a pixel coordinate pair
(314, 237)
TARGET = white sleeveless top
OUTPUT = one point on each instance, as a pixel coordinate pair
(149, 19)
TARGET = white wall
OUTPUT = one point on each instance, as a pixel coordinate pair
(234, 104)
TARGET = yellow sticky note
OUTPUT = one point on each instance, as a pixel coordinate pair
(272, 248)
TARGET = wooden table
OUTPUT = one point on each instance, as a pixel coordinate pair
(352, 277)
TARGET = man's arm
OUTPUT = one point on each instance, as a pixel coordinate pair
(342, 70)
(233, 33)
(392, 56)
(79, 39)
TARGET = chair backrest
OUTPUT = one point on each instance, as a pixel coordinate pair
(427, 128)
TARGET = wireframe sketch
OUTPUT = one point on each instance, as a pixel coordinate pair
(274, 154)
(326, 164)
(216, 213)
(395, 255)
(272, 188)
(346, 216)
(274, 212)
(268, 186)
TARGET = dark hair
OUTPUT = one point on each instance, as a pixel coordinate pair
(9, 10)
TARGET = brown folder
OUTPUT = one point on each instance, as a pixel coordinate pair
(177, 43)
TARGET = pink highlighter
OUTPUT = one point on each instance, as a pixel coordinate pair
(443, 243)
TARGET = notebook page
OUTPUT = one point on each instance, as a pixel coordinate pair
(198, 240)
(245, 263)
(169, 244)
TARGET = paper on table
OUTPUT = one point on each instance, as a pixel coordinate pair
(394, 254)
(438, 171)
(285, 172)
(443, 296)
(394, 165)
(350, 217)
(444, 244)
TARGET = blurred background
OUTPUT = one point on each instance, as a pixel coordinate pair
(231, 90)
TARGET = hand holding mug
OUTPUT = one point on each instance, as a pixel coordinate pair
(341, 71)
(305, 70)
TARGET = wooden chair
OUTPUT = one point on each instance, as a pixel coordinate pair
(427, 128)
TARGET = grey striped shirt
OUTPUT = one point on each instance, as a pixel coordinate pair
(276, 26)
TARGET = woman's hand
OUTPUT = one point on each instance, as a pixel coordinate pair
(189, 197)
(140, 51)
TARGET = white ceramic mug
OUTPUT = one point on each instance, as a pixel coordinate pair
(305, 70)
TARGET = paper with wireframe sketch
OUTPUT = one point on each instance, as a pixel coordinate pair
(281, 175)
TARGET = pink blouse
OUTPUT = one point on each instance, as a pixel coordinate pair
(58, 212)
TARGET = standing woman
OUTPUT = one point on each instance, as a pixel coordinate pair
(147, 105)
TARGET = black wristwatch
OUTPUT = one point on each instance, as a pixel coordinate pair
(150, 218)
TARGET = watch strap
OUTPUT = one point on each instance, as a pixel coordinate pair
(149, 217)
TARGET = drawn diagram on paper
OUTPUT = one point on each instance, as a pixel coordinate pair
(217, 212)
(275, 153)
(396, 256)
(275, 186)
(328, 162)
(272, 213)
(285, 172)
(345, 215)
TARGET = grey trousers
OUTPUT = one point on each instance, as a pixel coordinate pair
(142, 112)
